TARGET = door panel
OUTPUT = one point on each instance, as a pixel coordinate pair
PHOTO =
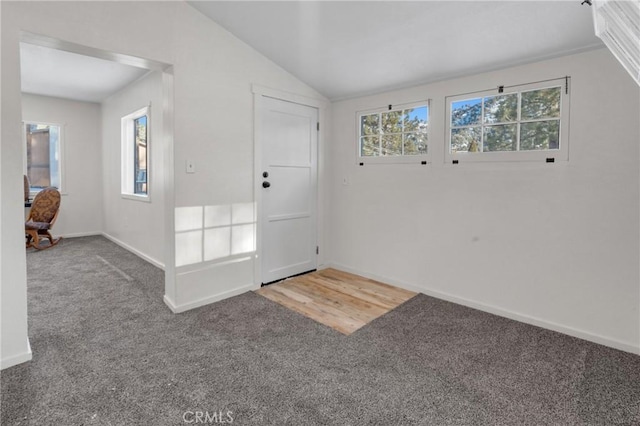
(288, 214)
(287, 132)
(296, 198)
(293, 239)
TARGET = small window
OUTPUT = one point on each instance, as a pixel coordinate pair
(43, 155)
(521, 123)
(135, 154)
(396, 134)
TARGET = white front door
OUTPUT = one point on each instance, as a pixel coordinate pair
(288, 185)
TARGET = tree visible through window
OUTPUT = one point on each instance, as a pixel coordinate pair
(399, 132)
(526, 118)
(493, 123)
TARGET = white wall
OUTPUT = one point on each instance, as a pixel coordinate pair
(551, 244)
(213, 124)
(214, 127)
(81, 207)
(14, 344)
(138, 225)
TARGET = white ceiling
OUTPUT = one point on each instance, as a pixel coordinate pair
(349, 48)
(52, 72)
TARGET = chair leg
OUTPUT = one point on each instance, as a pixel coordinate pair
(52, 241)
(32, 238)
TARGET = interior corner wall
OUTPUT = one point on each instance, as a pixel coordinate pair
(137, 225)
(81, 207)
(555, 245)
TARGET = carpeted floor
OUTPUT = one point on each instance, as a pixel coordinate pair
(107, 351)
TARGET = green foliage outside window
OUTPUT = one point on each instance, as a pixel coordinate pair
(394, 133)
(511, 122)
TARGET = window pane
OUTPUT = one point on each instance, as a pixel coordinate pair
(500, 138)
(415, 120)
(415, 143)
(43, 155)
(392, 122)
(544, 103)
(140, 163)
(540, 135)
(369, 125)
(369, 146)
(465, 140)
(467, 112)
(501, 109)
(54, 156)
(392, 145)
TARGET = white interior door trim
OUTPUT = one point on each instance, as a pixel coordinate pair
(322, 104)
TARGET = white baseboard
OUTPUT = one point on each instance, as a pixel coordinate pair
(17, 359)
(135, 251)
(170, 304)
(571, 331)
(80, 234)
(176, 309)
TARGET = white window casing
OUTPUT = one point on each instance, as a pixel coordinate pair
(128, 155)
(411, 145)
(56, 156)
(518, 125)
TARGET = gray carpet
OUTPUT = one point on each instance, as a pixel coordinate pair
(107, 351)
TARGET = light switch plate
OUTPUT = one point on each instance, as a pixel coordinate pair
(191, 166)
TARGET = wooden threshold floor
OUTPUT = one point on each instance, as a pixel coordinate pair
(342, 301)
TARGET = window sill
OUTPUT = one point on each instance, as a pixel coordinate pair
(400, 159)
(134, 197)
(558, 156)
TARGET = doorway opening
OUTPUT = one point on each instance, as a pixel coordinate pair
(82, 90)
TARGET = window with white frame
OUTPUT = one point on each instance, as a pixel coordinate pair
(394, 134)
(43, 145)
(527, 122)
(135, 154)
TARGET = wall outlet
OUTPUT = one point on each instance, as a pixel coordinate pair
(191, 166)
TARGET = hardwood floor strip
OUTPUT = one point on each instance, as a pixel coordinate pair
(340, 300)
(349, 305)
(351, 278)
(324, 314)
(356, 291)
(386, 291)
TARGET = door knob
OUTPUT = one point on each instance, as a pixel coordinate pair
(266, 184)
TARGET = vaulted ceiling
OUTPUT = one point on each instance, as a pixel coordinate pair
(349, 48)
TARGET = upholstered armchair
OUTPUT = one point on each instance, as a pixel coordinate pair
(42, 216)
